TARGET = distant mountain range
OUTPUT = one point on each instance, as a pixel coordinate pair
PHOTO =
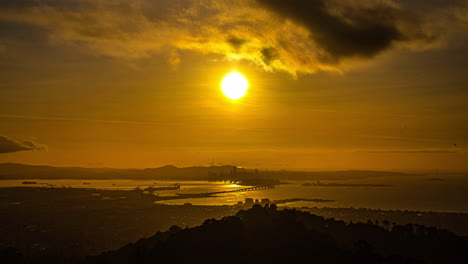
(169, 172)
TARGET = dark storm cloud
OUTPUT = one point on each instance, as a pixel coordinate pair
(343, 29)
(11, 5)
(8, 145)
(268, 55)
(293, 36)
(236, 42)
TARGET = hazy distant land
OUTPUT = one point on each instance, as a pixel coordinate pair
(435, 179)
(12, 171)
(319, 184)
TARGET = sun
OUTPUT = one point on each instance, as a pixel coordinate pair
(234, 85)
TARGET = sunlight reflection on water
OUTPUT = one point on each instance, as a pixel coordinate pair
(407, 193)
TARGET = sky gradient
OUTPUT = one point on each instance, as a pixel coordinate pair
(333, 84)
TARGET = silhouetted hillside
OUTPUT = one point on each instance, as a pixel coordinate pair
(273, 234)
(168, 172)
(22, 171)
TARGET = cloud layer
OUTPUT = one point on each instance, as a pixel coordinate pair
(8, 145)
(293, 36)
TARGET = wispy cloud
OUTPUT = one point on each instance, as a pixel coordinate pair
(400, 138)
(291, 36)
(80, 119)
(411, 151)
(8, 145)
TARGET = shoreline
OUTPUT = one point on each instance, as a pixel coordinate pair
(280, 203)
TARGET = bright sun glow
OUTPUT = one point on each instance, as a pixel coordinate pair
(234, 85)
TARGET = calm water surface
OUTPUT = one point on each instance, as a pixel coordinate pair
(407, 193)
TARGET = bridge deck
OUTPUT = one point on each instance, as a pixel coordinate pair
(253, 188)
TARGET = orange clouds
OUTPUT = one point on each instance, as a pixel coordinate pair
(298, 37)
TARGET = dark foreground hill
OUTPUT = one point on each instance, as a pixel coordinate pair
(264, 234)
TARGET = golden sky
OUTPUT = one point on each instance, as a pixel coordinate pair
(333, 84)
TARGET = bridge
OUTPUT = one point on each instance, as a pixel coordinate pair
(253, 188)
(212, 194)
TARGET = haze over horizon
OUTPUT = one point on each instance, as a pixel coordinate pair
(377, 85)
(426, 171)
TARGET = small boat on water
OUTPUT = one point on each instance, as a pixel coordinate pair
(29, 182)
(86, 183)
